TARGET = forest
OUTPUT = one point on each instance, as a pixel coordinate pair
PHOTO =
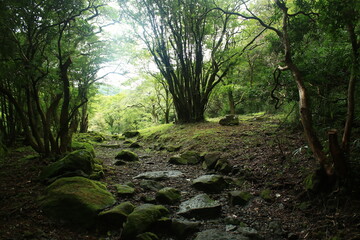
(179, 119)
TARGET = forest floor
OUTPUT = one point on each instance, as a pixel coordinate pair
(266, 156)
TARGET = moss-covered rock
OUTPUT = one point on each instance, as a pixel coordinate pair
(239, 197)
(83, 145)
(76, 200)
(98, 172)
(127, 155)
(177, 160)
(210, 183)
(168, 195)
(191, 157)
(123, 189)
(229, 120)
(200, 206)
(135, 145)
(89, 136)
(80, 160)
(142, 218)
(266, 194)
(223, 166)
(186, 158)
(173, 148)
(114, 218)
(131, 134)
(210, 159)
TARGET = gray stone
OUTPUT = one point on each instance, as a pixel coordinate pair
(124, 190)
(210, 183)
(200, 206)
(159, 175)
(127, 155)
(217, 234)
(142, 218)
(229, 120)
(151, 185)
(168, 195)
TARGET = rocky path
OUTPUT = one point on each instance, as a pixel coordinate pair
(253, 200)
(247, 184)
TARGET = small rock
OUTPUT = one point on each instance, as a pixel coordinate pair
(151, 185)
(210, 183)
(216, 234)
(266, 194)
(122, 189)
(159, 175)
(210, 159)
(127, 155)
(131, 134)
(239, 198)
(168, 195)
(148, 199)
(200, 206)
(177, 160)
(223, 166)
(229, 120)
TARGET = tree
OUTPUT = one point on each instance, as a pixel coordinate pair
(46, 37)
(190, 46)
(337, 152)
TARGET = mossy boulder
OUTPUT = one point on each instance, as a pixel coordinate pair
(83, 145)
(223, 166)
(114, 218)
(80, 160)
(168, 195)
(124, 190)
(142, 218)
(186, 158)
(131, 134)
(76, 200)
(210, 183)
(127, 155)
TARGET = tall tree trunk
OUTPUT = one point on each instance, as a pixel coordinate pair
(65, 139)
(231, 101)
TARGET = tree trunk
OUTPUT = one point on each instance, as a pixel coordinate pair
(65, 139)
(231, 102)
